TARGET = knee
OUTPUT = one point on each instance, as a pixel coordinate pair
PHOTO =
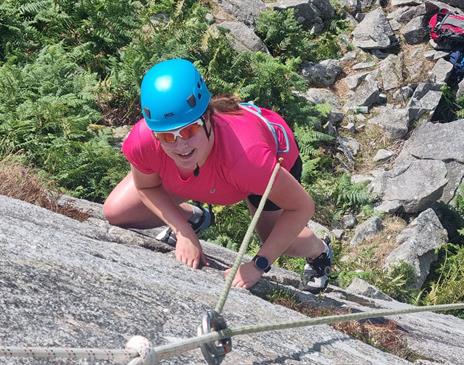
(111, 212)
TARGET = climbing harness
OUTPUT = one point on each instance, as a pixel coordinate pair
(256, 110)
(214, 354)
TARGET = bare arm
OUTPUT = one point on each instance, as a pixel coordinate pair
(298, 208)
(152, 194)
(159, 201)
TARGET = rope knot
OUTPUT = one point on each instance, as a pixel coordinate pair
(147, 354)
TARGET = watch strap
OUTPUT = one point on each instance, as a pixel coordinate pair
(265, 269)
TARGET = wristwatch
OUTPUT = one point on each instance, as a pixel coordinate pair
(261, 263)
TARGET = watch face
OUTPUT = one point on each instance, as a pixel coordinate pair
(261, 262)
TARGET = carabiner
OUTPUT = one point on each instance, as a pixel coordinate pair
(214, 353)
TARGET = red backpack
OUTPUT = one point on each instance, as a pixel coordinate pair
(445, 26)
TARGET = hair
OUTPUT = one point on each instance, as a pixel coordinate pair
(225, 103)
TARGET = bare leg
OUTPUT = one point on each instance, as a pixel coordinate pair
(307, 244)
(124, 208)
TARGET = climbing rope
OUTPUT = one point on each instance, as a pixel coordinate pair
(246, 240)
(140, 352)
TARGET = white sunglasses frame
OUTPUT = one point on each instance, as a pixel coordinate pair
(176, 132)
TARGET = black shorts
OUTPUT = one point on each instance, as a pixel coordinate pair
(295, 171)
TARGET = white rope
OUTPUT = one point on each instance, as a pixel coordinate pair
(153, 355)
(246, 240)
(50, 353)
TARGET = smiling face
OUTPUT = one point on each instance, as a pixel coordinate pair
(188, 153)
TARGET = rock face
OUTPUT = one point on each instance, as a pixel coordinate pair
(417, 244)
(69, 284)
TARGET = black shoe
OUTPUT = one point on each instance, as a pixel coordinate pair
(316, 272)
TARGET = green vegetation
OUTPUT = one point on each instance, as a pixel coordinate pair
(460, 111)
(396, 282)
(444, 285)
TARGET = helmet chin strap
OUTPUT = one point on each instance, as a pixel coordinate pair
(196, 172)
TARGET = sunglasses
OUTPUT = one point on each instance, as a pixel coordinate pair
(184, 132)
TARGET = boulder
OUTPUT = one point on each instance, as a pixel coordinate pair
(242, 37)
(402, 95)
(441, 71)
(246, 11)
(364, 65)
(313, 14)
(349, 147)
(366, 230)
(436, 141)
(395, 121)
(374, 32)
(353, 80)
(456, 3)
(383, 155)
(406, 14)
(443, 142)
(362, 287)
(425, 99)
(391, 71)
(435, 55)
(417, 244)
(455, 178)
(415, 32)
(412, 187)
(357, 6)
(319, 96)
(322, 74)
(367, 93)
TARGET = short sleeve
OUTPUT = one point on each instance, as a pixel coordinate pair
(139, 148)
(252, 171)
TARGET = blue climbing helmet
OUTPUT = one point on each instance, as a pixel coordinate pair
(173, 95)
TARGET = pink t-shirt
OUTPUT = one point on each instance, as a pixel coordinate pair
(240, 163)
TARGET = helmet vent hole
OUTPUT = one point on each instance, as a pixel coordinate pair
(191, 100)
(199, 96)
(198, 85)
(147, 113)
(167, 115)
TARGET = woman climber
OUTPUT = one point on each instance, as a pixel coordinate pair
(192, 146)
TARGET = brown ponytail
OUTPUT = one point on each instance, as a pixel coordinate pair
(225, 103)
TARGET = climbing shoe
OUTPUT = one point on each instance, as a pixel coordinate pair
(316, 272)
(199, 221)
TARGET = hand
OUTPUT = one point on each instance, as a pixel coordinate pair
(189, 252)
(247, 275)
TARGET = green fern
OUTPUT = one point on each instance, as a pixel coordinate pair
(349, 195)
